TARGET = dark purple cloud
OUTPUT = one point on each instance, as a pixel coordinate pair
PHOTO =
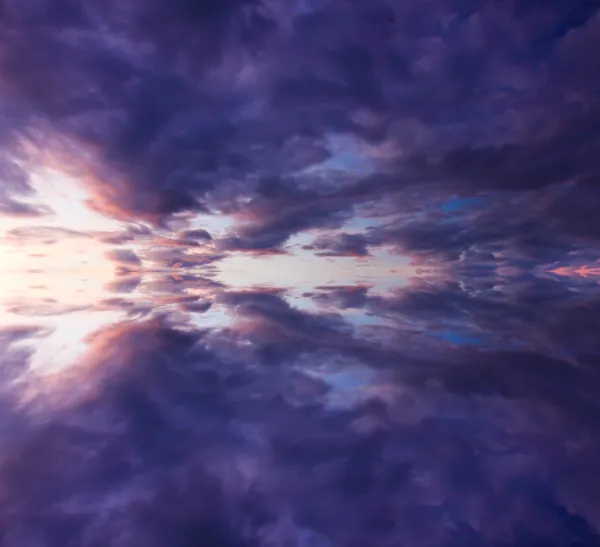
(501, 441)
(341, 244)
(343, 297)
(199, 109)
(280, 210)
(195, 235)
(195, 307)
(544, 315)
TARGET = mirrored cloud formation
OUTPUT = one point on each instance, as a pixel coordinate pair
(301, 273)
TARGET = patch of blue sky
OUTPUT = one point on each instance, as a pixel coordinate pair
(347, 387)
(460, 339)
(348, 155)
(350, 161)
(303, 303)
(218, 316)
(359, 224)
(360, 318)
(297, 241)
(457, 204)
(216, 225)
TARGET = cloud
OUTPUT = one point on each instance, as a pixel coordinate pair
(162, 283)
(195, 307)
(460, 409)
(44, 234)
(43, 309)
(341, 244)
(493, 101)
(343, 297)
(124, 284)
(199, 235)
(16, 189)
(132, 233)
(124, 257)
(178, 257)
(15, 359)
(278, 211)
(168, 418)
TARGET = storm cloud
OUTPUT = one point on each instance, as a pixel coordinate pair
(198, 109)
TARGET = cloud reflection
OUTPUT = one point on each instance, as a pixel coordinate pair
(309, 409)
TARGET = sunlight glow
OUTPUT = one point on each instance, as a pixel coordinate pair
(67, 198)
(53, 273)
(581, 271)
(305, 271)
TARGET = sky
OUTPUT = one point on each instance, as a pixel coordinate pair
(306, 273)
